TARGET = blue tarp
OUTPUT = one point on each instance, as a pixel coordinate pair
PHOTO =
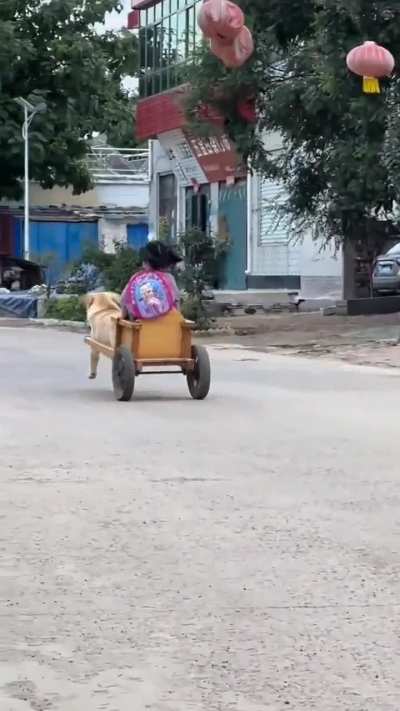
(19, 304)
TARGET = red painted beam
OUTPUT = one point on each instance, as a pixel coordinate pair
(142, 4)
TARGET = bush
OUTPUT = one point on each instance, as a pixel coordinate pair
(82, 279)
(69, 308)
(193, 310)
(115, 269)
(202, 254)
(123, 264)
(92, 254)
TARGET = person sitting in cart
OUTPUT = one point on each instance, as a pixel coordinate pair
(152, 292)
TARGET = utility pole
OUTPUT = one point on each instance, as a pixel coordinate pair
(29, 112)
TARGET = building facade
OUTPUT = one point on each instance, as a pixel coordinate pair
(198, 181)
(61, 224)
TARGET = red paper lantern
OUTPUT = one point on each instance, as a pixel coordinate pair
(372, 62)
(246, 109)
(237, 52)
(220, 20)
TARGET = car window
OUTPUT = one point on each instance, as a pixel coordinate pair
(394, 250)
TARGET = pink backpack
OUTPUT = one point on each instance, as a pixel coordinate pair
(149, 294)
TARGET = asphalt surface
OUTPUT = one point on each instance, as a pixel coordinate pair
(240, 553)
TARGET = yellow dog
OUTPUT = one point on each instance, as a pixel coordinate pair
(102, 311)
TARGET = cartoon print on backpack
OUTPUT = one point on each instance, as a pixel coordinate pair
(150, 295)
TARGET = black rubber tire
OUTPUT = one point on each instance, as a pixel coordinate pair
(123, 374)
(199, 379)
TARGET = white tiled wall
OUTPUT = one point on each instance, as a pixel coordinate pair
(274, 258)
(320, 270)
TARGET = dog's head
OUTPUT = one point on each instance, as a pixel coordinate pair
(101, 301)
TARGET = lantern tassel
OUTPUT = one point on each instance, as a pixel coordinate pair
(371, 85)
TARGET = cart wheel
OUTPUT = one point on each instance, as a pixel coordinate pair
(199, 378)
(123, 374)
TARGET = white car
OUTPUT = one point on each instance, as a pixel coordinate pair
(386, 274)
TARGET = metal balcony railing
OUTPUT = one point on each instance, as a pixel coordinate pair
(119, 165)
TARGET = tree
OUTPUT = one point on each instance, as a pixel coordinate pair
(52, 52)
(340, 162)
(202, 253)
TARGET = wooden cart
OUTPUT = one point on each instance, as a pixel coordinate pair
(155, 347)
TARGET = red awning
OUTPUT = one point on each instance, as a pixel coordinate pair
(133, 20)
(165, 111)
(159, 113)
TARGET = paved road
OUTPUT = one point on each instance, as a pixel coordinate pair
(236, 554)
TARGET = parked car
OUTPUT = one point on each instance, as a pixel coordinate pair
(386, 274)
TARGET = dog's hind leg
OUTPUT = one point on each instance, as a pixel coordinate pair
(94, 362)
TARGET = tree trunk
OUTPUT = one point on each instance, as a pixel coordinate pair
(349, 281)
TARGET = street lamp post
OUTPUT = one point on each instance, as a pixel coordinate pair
(29, 112)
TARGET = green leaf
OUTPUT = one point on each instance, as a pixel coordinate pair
(52, 52)
(340, 159)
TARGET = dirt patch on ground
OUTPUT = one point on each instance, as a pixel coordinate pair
(294, 329)
(366, 340)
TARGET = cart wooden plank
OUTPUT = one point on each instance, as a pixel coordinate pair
(144, 362)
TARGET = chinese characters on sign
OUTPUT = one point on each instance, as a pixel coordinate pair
(200, 160)
(211, 145)
(217, 157)
(186, 165)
